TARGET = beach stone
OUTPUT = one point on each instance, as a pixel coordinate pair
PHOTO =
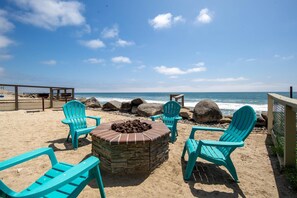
(186, 113)
(137, 101)
(225, 120)
(82, 100)
(261, 122)
(125, 107)
(207, 111)
(134, 110)
(112, 105)
(149, 109)
(92, 103)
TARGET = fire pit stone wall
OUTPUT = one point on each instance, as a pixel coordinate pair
(122, 153)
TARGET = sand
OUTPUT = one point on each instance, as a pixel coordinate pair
(256, 166)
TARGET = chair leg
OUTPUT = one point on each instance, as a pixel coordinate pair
(75, 141)
(231, 168)
(99, 181)
(190, 166)
(68, 137)
(184, 151)
(173, 137)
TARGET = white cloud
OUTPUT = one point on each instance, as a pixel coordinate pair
(93, 44)
(94, 61)
(173, 71)
(205, 16)
(5, 56)
(165, 20)
(220, 79)
(141, 67)
(49, 62)
(123, 43)
(50, 14)
(250, 60)
(284, 57)
(5, 25)
(86, 29)
(121, 59)
(4, 41)
(110, 32)
(178, 19)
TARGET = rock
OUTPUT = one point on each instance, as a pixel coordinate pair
(207, 111)
(82, 100)
(264, 114)
(112, 106)
(186, 113)
(225, 120)
(137, 101)
(92, 103)
(261, 122)
(134, 110)
(149, 109)
(125, 107)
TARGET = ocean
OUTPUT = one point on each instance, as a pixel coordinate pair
(228, 102)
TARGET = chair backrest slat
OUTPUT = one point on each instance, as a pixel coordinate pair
(75, 112)
(171, 109)
(242, 124)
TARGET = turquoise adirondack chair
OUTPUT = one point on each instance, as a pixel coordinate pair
(62, 180)
(75, 113)
(170, 117)
(218, 152)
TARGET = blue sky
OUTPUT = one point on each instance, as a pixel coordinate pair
(148, 46)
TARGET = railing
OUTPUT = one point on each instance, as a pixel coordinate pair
(282, 126)
(17, 91)
(176, 97)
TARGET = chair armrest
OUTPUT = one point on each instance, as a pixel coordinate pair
(156, 117)
(178, 118)
(97, 118)
(63, 178)
(221, 143)
(28, 156)
(195, 128)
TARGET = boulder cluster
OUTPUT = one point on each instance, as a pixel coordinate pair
(205, 111)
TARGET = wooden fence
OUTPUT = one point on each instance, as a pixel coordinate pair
(282, 126)
(52, 93)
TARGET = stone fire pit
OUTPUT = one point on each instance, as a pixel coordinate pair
(127, 153)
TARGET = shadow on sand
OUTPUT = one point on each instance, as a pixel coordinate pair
(62, 145)
(206, 173)
(114, 180)
(281, 183)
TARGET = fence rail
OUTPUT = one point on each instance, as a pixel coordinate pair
(282, 126)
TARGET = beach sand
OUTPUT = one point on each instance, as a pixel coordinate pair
(256, 167)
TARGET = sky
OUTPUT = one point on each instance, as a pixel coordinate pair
(150, 46)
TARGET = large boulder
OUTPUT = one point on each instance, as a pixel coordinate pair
(134, 110)
(261, 122)
(149, 109)
(112, 105)
(207, 111)
(92, 103)
(82, 100)
(137, 101)
(186, 113)
(125, 107)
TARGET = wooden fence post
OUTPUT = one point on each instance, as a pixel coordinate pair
(16, 96)
(51, 97)
(290, 137)
(270, 114)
